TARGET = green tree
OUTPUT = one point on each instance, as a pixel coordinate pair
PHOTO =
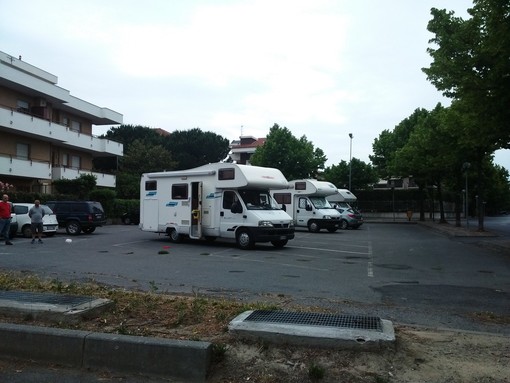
(128, 134)
(471, 66)
(192, 148)
(363, 175)
(386, 145)
(296, 158)
(79, 187)
(141, 158)
(429, 154)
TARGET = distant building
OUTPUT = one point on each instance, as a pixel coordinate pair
(45, 133)
(396, 183)
(162, 132)
(241, 150)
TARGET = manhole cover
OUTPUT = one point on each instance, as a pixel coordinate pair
(56, 299)
(317, 319)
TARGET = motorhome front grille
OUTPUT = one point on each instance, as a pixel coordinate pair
(281, 225)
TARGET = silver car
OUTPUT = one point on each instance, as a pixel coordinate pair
(350, 218)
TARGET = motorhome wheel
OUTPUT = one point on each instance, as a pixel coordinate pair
(313, 227)
(244, 240)
(175, 236)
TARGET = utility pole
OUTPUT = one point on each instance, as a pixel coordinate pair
(350, 162)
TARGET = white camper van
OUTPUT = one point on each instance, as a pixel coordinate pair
(305, 201)
(219, 200)
(344, 198)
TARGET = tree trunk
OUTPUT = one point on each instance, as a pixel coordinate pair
(442, 218)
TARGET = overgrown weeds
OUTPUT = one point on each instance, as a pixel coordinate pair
(151, 313)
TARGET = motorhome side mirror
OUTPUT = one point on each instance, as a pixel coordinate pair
(308, 207)
(236, 208)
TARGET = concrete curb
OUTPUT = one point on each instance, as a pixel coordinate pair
(177, 359)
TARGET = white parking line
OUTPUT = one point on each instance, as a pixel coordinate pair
(273, 263)
(328, 250)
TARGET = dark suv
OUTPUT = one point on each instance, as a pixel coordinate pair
(77, 216)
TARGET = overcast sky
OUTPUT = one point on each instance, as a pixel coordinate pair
(321, 68)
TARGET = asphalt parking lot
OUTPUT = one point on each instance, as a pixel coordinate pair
(404, 273)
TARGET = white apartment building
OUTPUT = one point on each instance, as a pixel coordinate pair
(45, 133)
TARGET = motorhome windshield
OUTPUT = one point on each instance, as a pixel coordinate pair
(320, 203)
(258, 200)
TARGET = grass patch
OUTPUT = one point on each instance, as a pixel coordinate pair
(151, 313)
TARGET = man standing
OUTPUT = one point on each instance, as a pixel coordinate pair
(36, 214)
(5, 218)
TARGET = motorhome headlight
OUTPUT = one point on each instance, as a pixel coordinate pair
(327, 217)
(265, 223)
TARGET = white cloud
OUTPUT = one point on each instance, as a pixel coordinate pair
(322, 68)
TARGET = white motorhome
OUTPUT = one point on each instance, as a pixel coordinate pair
(305, 200)
(219, 200)
(344, 198)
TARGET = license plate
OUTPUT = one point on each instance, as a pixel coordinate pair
(50, 227)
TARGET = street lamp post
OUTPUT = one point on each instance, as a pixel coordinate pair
(350, 161)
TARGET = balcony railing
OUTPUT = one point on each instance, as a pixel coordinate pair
(29, 168)
(25, 123)
(24, 167)
(102, 179)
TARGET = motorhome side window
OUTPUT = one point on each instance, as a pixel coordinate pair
(282, 198)
(229, 197)
(180, 191)
(300, 186)
(151, 185)
(226, 174)
(302, 203)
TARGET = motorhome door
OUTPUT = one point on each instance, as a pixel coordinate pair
(196, 210)
(229, 219)
(303, 211)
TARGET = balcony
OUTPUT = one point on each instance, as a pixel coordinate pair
(18, 167)
(102, 179)
(24, 168)
(23, 124)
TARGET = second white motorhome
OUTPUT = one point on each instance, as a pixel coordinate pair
(219, 200)
(305, 200)
(344, 198)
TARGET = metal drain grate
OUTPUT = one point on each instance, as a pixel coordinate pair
(317, 319)
(56, 299)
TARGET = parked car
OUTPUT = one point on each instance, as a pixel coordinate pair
(131, 217)
(78, 216)
(50, 223)
(350, 218)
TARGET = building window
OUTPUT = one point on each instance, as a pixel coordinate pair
(75, 126)
(65, 159)
(22, 106)
(75, 162)
(23, 151)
